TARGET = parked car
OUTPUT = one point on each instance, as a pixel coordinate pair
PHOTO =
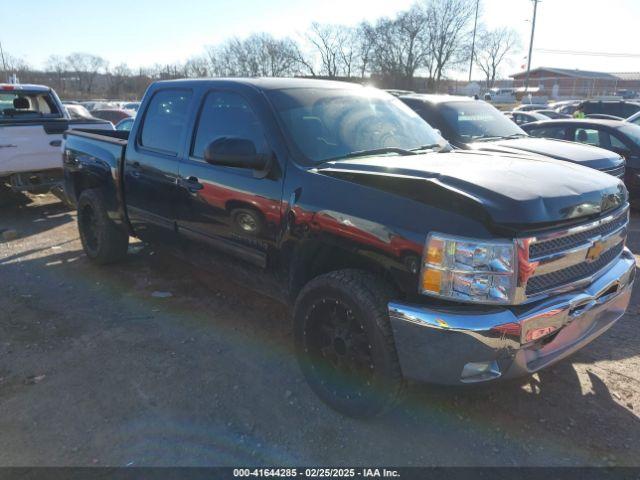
(112, 115)
(92, 104)
(567, 107)
(602, 116)
(77, 111)
(133, 106)
(397, 93)
(627, 94)
(619, 108)
(635, 118)
(529, 107)
(520, 118)
(32, 120)
(475, 125)
(400, 257)
(125, 124)
(618, 136)
(552, 114)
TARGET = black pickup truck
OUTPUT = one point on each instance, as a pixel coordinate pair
(401, 258)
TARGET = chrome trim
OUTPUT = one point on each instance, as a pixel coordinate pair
(581, 228)
(616, 171)
(559, 261)
(434, 343)
(530, 267)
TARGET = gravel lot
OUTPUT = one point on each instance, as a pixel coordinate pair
(96, 370)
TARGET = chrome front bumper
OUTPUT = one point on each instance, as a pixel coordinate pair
(467, 344)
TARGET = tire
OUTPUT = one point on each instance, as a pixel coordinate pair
(345, 345)
(102, 240)
(248, 221)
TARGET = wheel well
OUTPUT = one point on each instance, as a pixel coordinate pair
(82, 183)
(235, 204)
(315, 259)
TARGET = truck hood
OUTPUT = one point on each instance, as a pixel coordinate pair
(510, 190)
(587, 155)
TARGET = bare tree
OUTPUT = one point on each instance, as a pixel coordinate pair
(259, 55)
(326, 40)
(117, 77)
(57, 65)
(399, 46)
(337, 49)
(13, 65)
(86, 68)
(448, 24)
(197, 67)
(364, 45)
(493, 48)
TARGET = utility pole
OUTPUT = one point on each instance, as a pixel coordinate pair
(533, 30)
(473, 43)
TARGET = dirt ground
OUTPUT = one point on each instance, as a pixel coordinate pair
(97, 369)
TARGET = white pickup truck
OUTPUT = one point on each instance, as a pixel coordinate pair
(32, 121)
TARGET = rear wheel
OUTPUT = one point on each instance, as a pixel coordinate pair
(345, 345)
(103, 241)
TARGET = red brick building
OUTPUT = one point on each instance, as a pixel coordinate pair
(562, 82)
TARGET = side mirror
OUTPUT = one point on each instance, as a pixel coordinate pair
(235, 152)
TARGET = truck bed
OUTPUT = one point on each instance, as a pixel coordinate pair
(97, 155)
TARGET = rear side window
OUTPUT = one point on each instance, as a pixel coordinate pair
(550, 132)
(227, 114)
(24, 104)
(591, 137)
(165, 121)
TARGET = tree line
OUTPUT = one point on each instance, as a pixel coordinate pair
(429, 40)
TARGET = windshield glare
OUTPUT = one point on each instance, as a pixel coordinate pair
(332, 123)
(475, 120)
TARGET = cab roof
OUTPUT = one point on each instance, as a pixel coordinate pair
(23, 86)
(266, 83)
(435, 98)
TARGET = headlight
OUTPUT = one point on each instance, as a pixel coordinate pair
(469, 270)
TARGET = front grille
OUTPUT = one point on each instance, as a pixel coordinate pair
(616, 172)
(572, 274)
(562, 244)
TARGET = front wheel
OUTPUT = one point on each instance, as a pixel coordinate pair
(345, 345)
(102, 240)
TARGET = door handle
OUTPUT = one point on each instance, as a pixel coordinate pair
(191, 183)
(55, 143)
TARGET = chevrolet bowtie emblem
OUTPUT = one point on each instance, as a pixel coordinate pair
(595, 251)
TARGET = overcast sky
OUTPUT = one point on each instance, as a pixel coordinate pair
(143, 32)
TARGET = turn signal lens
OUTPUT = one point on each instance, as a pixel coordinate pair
(431, 281)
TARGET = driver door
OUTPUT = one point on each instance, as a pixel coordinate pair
(229, 209)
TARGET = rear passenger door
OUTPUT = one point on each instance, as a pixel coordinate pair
(233, 210)
(151, 165)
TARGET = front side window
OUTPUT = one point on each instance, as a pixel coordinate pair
(165, 121)
(591, 136)
(227, 114)
(330, 123)
(550, 132)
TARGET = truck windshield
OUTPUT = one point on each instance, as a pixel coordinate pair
(476, 120)
(20, 104)
(327, 123)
